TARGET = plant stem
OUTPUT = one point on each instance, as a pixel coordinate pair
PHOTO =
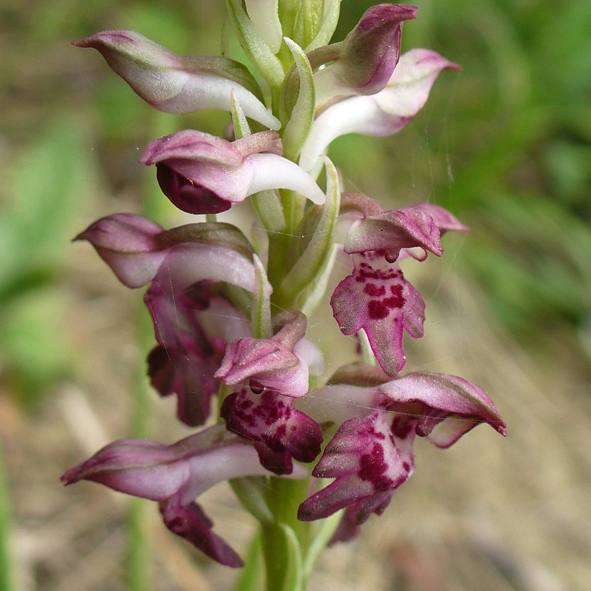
(5, 562)
(283, 497)
(139, 575)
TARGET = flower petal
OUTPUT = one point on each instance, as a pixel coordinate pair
(128, 244)
(444, 220)
(136, 467)
(369, 54)
(382, 114)
(188, 373)
(190, 522)
(410, 85)
(466, 404)
(393, 230)
(280, 431)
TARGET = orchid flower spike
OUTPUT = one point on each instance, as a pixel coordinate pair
(174, 476)
(382, 114)
(179, 84)
(230, 324)
(202, 173)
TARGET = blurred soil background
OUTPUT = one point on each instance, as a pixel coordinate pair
(505, 145)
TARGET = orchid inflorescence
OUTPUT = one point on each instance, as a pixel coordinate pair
(230, 313)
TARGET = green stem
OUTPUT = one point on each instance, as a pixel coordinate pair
(293, 209)
(250, 578)
(275, 554)
(138, 566)
(5, 562)
(277, 266)
(283, 498)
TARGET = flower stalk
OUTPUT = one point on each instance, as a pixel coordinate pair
(6, 562)
(230, 312)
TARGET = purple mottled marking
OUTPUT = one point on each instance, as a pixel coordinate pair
(377, 309)
(372, 468)
(402, 426)
(371, 289)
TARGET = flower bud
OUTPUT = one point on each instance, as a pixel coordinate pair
(368, 56)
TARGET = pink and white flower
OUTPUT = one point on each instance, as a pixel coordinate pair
(203, 173)
(382, 114)
(179, 84)
(372, 453)
(174, 476)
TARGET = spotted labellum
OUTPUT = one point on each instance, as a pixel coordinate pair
(230, 306)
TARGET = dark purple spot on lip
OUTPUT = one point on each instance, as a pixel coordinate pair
(371, 289)
(397, 299)
(377, 310)
(372, 468)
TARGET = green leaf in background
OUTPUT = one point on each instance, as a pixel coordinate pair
(34, 351)
(53, 178)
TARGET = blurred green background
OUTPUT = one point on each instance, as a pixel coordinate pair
(505, 145)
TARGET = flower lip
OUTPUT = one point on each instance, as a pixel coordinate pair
(378, 299)
(280, 432)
